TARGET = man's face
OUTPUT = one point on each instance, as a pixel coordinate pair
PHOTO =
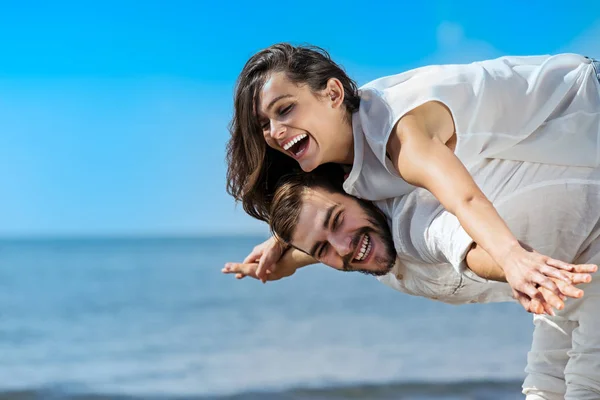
(345, 234)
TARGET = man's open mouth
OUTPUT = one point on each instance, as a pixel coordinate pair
(364, 249)
(298, 145)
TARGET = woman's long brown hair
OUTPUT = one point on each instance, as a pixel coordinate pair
(253, 167)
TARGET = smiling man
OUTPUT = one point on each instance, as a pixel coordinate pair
(552, 208)
(370, 248)
(316, 217)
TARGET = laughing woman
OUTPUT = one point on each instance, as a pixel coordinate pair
(296, 108)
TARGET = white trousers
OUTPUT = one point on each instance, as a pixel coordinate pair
(564, 361)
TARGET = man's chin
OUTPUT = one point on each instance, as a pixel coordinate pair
(378, 269)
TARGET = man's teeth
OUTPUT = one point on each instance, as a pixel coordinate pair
(295, 140)
(365, 249)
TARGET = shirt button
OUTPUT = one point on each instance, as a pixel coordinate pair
(399, 276)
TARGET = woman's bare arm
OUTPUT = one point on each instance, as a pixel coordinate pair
(418, 150)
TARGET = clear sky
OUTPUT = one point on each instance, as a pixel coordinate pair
(113, 114)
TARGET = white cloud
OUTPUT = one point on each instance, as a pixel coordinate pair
(449, 34)
(454, 46)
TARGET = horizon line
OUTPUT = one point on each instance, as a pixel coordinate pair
(130, 236)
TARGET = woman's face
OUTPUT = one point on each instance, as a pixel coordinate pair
(309, 127)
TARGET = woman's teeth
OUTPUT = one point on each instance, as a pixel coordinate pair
(292, 142)
(365, 249)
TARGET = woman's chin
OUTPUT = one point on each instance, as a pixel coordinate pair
(308, 165)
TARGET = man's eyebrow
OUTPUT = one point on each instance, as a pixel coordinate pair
(276, 99)
(328, 216)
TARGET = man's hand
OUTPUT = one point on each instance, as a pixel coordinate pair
(544, 299)
(286, 266)
(242, 270)
(266, 256)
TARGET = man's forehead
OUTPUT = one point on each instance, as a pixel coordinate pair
(319, 198)
(315, 204)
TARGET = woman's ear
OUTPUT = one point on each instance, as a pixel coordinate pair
(335, 92)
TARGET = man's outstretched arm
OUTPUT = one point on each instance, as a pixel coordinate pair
(288, 264)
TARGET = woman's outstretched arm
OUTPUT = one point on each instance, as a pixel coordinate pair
(418, 150)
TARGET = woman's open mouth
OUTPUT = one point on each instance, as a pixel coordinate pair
(297, 145)
(365, 248)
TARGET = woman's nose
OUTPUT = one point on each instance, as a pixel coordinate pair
(277, 131)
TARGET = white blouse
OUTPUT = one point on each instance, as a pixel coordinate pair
(542, 109)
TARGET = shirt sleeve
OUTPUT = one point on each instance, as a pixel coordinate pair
(447, 241)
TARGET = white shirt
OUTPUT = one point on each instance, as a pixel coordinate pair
(554, 209)
(540, 109)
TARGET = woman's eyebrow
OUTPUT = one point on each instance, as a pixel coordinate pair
(276, 99)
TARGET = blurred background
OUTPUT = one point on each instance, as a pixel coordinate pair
(115, 223)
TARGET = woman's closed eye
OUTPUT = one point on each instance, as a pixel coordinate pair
(266, 125)
(285, 110)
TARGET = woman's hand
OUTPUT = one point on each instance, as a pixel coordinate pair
(266, 256)
(540, 282)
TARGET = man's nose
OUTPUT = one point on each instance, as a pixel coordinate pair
(341, 243)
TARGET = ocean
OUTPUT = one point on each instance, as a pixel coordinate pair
(156, 319)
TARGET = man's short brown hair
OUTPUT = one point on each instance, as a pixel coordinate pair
(287, 200)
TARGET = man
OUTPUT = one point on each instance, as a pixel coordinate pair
(565, 356)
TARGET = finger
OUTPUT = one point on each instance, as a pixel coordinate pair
(560, 264)
(585, 268)
(531, 306)
(231, 268)
(523, 300)
(259, 250)
(543, 307)
(529, 290)
(553, 272)
(269, 259)
(267, 264)
(577, 278)
(261, 270)
(551, 299)
(228, 268)
(544, 281)
(529, 284)
(253, 256)
(536, 306)
(570, 290)
(239, 268)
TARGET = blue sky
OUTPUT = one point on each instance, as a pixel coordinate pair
(113, 114)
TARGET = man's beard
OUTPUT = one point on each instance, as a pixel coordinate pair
(379, 227)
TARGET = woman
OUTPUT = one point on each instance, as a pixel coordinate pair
(295, 106)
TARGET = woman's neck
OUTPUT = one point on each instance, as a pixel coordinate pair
(346, 145)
